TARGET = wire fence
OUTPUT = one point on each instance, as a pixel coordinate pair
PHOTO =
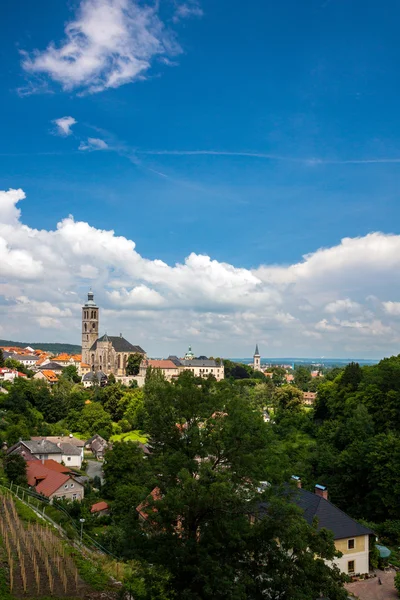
(39, 504)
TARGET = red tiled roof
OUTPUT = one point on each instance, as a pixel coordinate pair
(50, 375)
(99, 506)
(161, 364)
(46, 481)
(53, 465)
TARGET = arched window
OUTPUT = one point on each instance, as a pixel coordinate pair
(85, 327)
(119, 361)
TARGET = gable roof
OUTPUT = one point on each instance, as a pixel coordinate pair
(327, 514)
(99, 506)
(53, 465)
(46, 481)
(161, 364)
(60, 439)
(51, 366)
(50, 375)
(41, 447)
(119, 343)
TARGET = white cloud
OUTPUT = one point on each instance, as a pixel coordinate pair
(108, 44)
(64, 124)
(326, 304)
(392, 308)
(93, 144)
(186, 10)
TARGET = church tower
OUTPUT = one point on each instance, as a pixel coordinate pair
(257, 360)
(90, 327)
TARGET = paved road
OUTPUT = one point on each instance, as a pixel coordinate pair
(370, 589)
(95, 468)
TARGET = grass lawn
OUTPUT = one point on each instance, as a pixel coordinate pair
(131, 436)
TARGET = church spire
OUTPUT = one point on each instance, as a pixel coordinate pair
(257, 360)
(256, 353)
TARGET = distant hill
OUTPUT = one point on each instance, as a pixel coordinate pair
(53, 348)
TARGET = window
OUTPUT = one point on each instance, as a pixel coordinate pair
(66, 486)
(350, 566)
(350, 544)
(68, 458)
(72, 485)
(74, 496)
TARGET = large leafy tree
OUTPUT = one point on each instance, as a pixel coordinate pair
(15, 469)
(134, 362)
(210, 527)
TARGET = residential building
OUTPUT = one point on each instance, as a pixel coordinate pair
(257, 360)
(28, 360)
(47, 375)
(97, 378)
(83, 369)
(97, 445)
(109, 354)
(169, 369)
(201, 367)
(51, 365)
(7, 374)
(309, 398)
(43, 449)
(351, 538)
(64, 439)
(51, 483)
(100, 509)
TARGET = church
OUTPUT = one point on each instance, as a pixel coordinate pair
(108, 353)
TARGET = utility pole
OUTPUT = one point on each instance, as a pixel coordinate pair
(82, 522)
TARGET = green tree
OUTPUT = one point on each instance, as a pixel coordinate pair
(15, 469)
(206, 528)
(289, 398)
(94, 419)
(71, 373)
(1, 358)
(134, 362)
(134, 411)
(302, 378)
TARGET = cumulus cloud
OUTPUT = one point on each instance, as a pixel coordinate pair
(63, 125)
(329, 303)
(93, 144)
(109, 43)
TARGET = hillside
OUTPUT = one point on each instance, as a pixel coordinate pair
(54, 348)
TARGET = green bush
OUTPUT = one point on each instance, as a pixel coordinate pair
(397, 582)
(91, 573)
(26, 513)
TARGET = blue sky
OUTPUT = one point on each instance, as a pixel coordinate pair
(254, 133)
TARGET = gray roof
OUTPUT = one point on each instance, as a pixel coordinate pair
(256, 353)
(119, 343)
(198, 362)
(56, 439)
(328, 515)
(41, 447)
(68, 448)
(175, 360)
(53, 366)
(21, 357)
(99, 375)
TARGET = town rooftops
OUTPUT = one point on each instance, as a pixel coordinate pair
(119, 343)
(327, 514)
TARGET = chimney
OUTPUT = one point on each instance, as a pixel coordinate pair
(321, 490)
(297, 480)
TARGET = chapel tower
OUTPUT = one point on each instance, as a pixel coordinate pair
(257, 360)
(90, 327)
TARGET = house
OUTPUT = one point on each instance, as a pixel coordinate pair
(98, 378)
(43, 449)
(204, 367)
(7, 374)
(83, 369)
(51, 365)
(46, 375)
(169, 369)
(97, 445)
(28, 360)
(40, 449)
(51, 483)
(351, 538)
(100, 509)
(289, 378)
(309, 398)
(67, 439)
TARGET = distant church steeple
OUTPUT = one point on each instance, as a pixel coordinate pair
(90, 328)
(257, 360)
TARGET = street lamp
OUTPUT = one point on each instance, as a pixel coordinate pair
(82, 522)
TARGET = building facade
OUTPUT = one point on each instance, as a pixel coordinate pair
(108, 354)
